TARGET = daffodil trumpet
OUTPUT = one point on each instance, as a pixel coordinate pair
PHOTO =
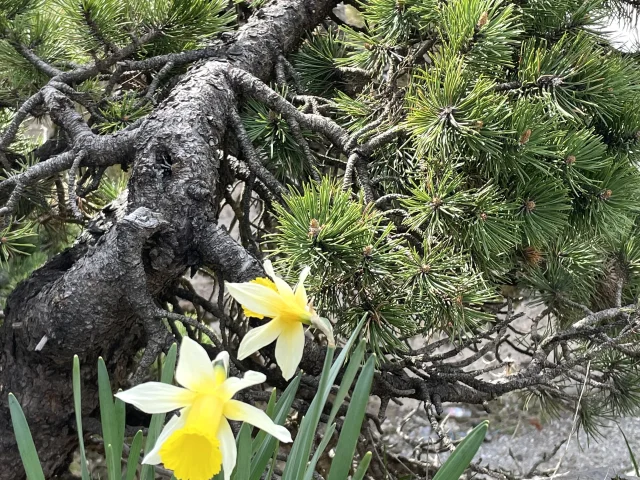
(199, 441)
(288, 309)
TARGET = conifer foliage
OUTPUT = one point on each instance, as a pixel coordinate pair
(438, 165)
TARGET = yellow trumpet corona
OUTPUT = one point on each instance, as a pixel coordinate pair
(288, 309)
(198, 442)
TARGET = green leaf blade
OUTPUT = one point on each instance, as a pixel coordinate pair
(350, 433)
(26, 447)
(462, 456)
(77, 405)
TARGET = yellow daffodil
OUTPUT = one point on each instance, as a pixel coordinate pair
(199, 441)
(289, 311)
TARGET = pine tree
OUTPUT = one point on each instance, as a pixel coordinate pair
(437, 164)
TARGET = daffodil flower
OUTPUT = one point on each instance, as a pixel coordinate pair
(199, 441)
(289, 311)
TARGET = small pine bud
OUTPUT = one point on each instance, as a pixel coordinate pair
(459, 300)
(436, 203)
(479, 124)
(529, 206)
(447, 112)
(570, 160)
(273, 116)
(483, 20)
(425, 268)
(314, 228)
(368, 46)
(532, 256)
(525, 136)
(367, 251)
(606, 195)
(400, 5)
(4, 240)
(483, 216)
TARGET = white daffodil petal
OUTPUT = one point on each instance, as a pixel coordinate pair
(289, 349)
(233, 385)
(227, 447)
(283, 287)
(324, 325)
(176, 422)
(241, 412)
(268, 268)
(257, 338)
(257, 298)
(156, 397)
(220, 368)
(194, 370)
(303, 275)
(222, 357)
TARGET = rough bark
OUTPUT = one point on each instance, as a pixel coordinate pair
(99, 298)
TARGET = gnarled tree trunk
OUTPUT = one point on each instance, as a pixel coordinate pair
(100, 297)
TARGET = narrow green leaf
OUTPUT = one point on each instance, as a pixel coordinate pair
(631, 455)
(108, 450)
(134, 455)
(347, 379)
(243, 460)
(271, 404)
(260, 436)
(26, 447)
(347, 348)
(462, 456)
(77, 405)
(118, 440)
(301, 448)
(350, 432)
(274, 459)
(266, 450)
(308, 475)
(157, 419)
(362, 468)
(108, 420)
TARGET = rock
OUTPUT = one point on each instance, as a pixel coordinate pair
(598, 474)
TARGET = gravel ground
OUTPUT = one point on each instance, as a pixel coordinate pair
(517, 440)
(530, 444)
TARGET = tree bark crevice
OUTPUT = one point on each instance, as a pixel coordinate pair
(89, 300)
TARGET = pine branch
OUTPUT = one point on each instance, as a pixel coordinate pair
(253, 87)
(178, 58)
(160, 76)
(42, 170)
(251, 157)
(40, 64)
(97, 34)
(11, 131)
(83, 99)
